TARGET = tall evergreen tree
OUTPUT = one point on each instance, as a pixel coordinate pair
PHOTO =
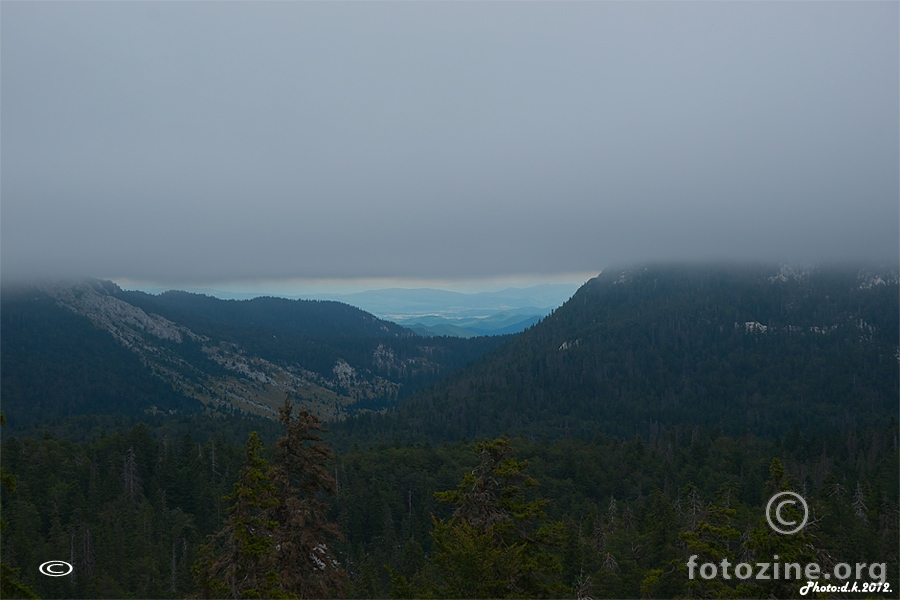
(711, 539)
(240, 561)
(800, 547)
(306, 564)
(494, 545)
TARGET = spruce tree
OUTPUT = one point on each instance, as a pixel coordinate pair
(305, 559)
(495, 544)
(765, 544)
(240, 561)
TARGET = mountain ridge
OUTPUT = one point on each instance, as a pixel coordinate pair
(497, 324)
(758, 347)
(207, 354)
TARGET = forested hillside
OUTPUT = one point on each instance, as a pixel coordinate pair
(316, 318)
(647, 420)
(745, 349)
(56, 363)
(92, 348)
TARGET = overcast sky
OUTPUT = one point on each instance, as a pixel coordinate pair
(195, 143)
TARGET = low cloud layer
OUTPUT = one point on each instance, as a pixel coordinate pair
(205, 142)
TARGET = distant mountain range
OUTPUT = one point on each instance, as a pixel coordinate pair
(650, 406)
(432, 312)
(762, 349)
(757, 348)
(496, 324)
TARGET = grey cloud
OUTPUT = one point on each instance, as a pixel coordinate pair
(214, 141)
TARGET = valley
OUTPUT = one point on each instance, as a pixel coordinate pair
(223, 356)
(658, 404)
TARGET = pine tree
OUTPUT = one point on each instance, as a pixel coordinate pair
(240, 561)
(765, 544)
(494, 545)
(306, 563)
(711, 538)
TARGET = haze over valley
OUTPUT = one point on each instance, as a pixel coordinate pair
(430, 311)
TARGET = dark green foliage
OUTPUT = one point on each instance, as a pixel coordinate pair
(75, 503)
(633, 511)
(277, 540)
(241, 560)
(10, 585)
(711, 420)
(496, 545)
(635, 350)
(56, 363)
(304, 537)
(711, 537)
